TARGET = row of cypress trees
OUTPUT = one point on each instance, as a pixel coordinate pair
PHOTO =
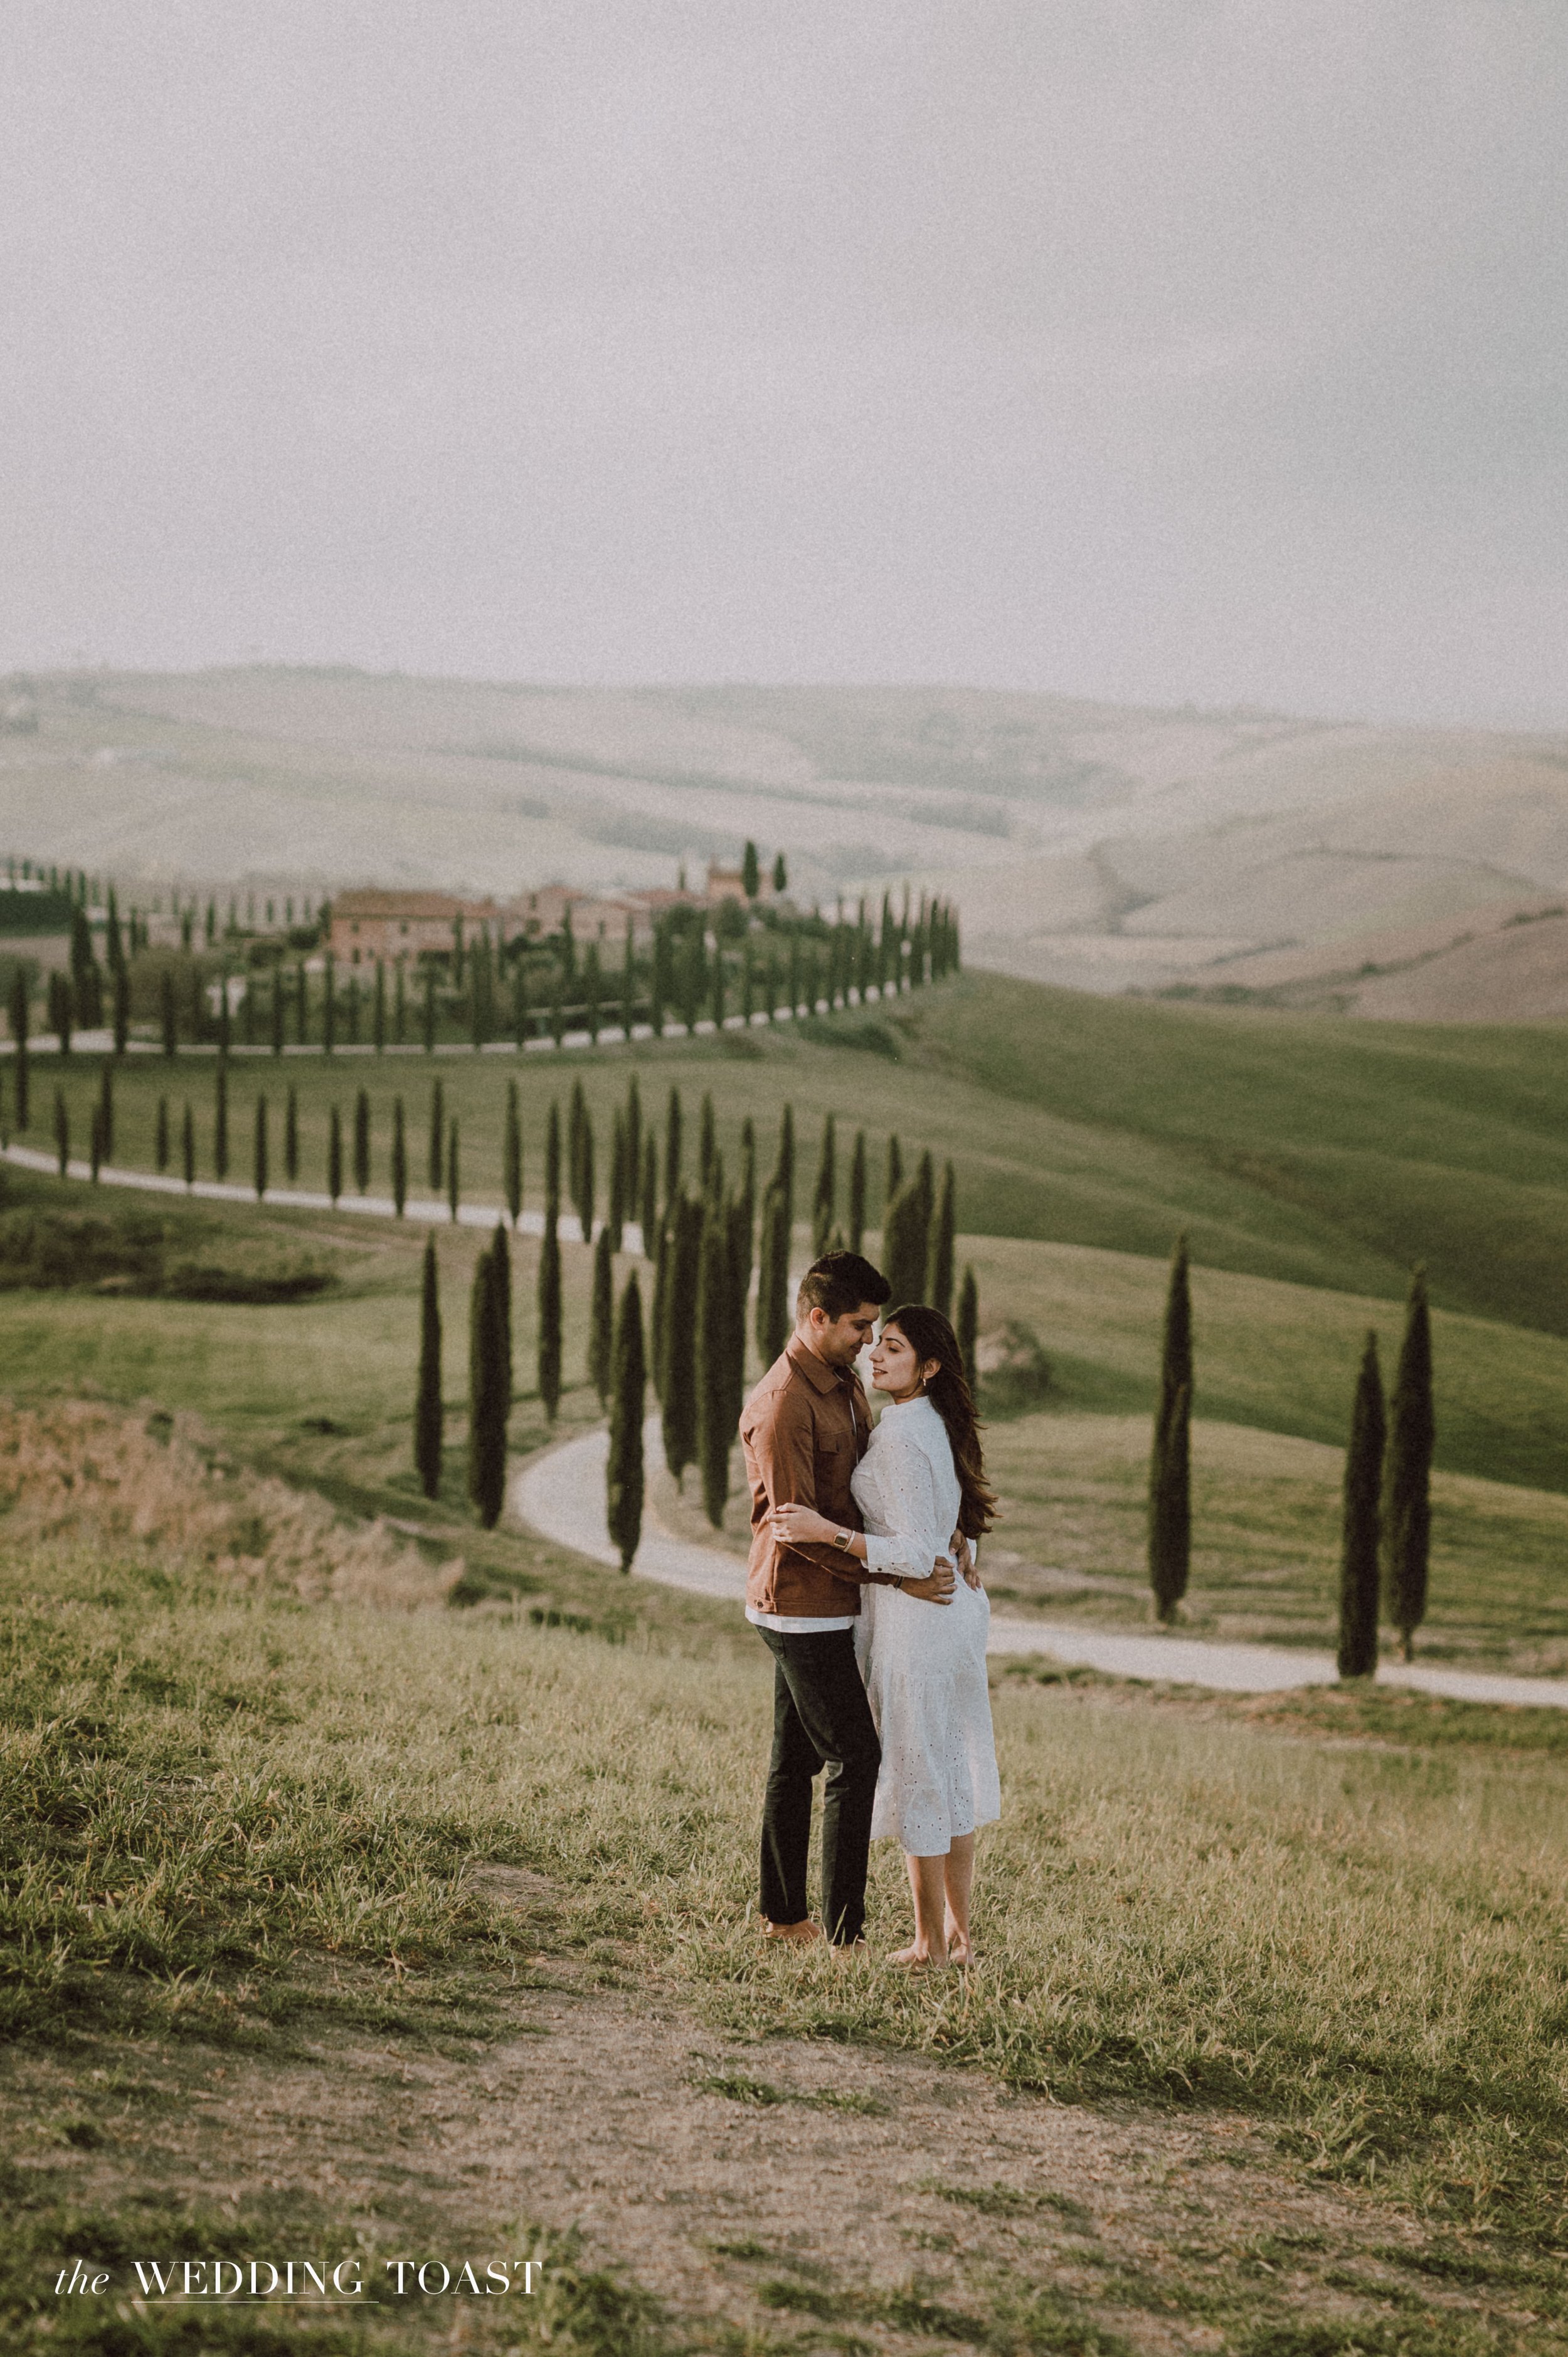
(1386, 1527)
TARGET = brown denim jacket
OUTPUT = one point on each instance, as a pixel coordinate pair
(805, 1429)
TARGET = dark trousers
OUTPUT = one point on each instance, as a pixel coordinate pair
(820, 1718)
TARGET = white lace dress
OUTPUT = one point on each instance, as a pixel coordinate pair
(923, 1664)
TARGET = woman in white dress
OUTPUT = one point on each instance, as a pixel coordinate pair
(921, 1481)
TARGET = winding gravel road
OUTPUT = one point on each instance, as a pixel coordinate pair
(560, 1495)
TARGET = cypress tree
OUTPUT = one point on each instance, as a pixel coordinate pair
(302, 1001)
(429, 1016)
(550, 1313)
(770, 982)
(795, 983)
(707, 1141)
(773, 1278)
(648, 1207)
(520, 1016)
(1170, 1470)
(379, 1015)
(398, 1158)
(550, 1338)
(436, 1159)
(664, 1259)
(739, 1220)
(940, 1269)
(160, 1136)
(20, 1035)
(500, 1285)
(750, 873)
(628, 984)
(328, 1006)
(106, 1109)
(784, 1169)
(969, 1326)
(187, 1144)
(858, 1183)
(906, 1244)
(1407, 1499)
(362, 1141)
(593, 993)
(926, 1180)
(276, 1010)
(486, 1415)
(453, 1196)
(671, 1148)
(715, 1312)
(601, 1317)
(894, 1179)
(221, 1122)
(745, 1227)
(825, 1203)
(1359, 1551)
(334, 1154)
(428, 1411)
(168, 1023)
(617, 1214)
(717, 1000)
(679, 1338)
(121, 987)
(291, 1137)
(583, 1190)
(558, 1008)
(624, 1471)
(553, 1159)
(400, 1004)
(633, 1139)
(259, 1155)
(780, 873)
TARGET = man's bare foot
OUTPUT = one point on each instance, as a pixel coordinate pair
(916, 1959)
(803, 1935)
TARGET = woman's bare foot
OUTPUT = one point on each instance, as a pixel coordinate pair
(915, 1959)
(960, 1949)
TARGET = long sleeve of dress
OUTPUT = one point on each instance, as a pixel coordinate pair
(899, 1473)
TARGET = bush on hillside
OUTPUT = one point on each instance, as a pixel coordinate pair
(1014, 1372)
(140, 1253)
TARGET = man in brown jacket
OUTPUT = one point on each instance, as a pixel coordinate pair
(804, 1431)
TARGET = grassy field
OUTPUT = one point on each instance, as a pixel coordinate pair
(238, 1819)
(319, 1389)
(1325, 1153)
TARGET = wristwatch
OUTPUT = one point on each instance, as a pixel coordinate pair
(842, 1540)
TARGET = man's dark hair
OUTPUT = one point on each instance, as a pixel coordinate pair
(839, 1283)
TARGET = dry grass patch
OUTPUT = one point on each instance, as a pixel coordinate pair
(151, 1485)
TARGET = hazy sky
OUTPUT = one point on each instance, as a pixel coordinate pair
(1156, 349)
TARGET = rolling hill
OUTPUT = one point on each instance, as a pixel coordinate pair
(1100, 846)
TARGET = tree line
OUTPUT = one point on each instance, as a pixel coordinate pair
(705, 1235)
(1385, 1519)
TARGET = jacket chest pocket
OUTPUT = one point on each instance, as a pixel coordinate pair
(830, 1459)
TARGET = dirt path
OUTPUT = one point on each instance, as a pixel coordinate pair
(561, 1494)
(767, 2186)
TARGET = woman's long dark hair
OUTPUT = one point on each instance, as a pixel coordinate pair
(930, 1336)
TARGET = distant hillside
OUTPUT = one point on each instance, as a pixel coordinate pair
(1092, 844)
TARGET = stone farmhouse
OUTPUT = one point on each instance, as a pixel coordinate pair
(403, 927)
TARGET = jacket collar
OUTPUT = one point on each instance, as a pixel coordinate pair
(816, 1372)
